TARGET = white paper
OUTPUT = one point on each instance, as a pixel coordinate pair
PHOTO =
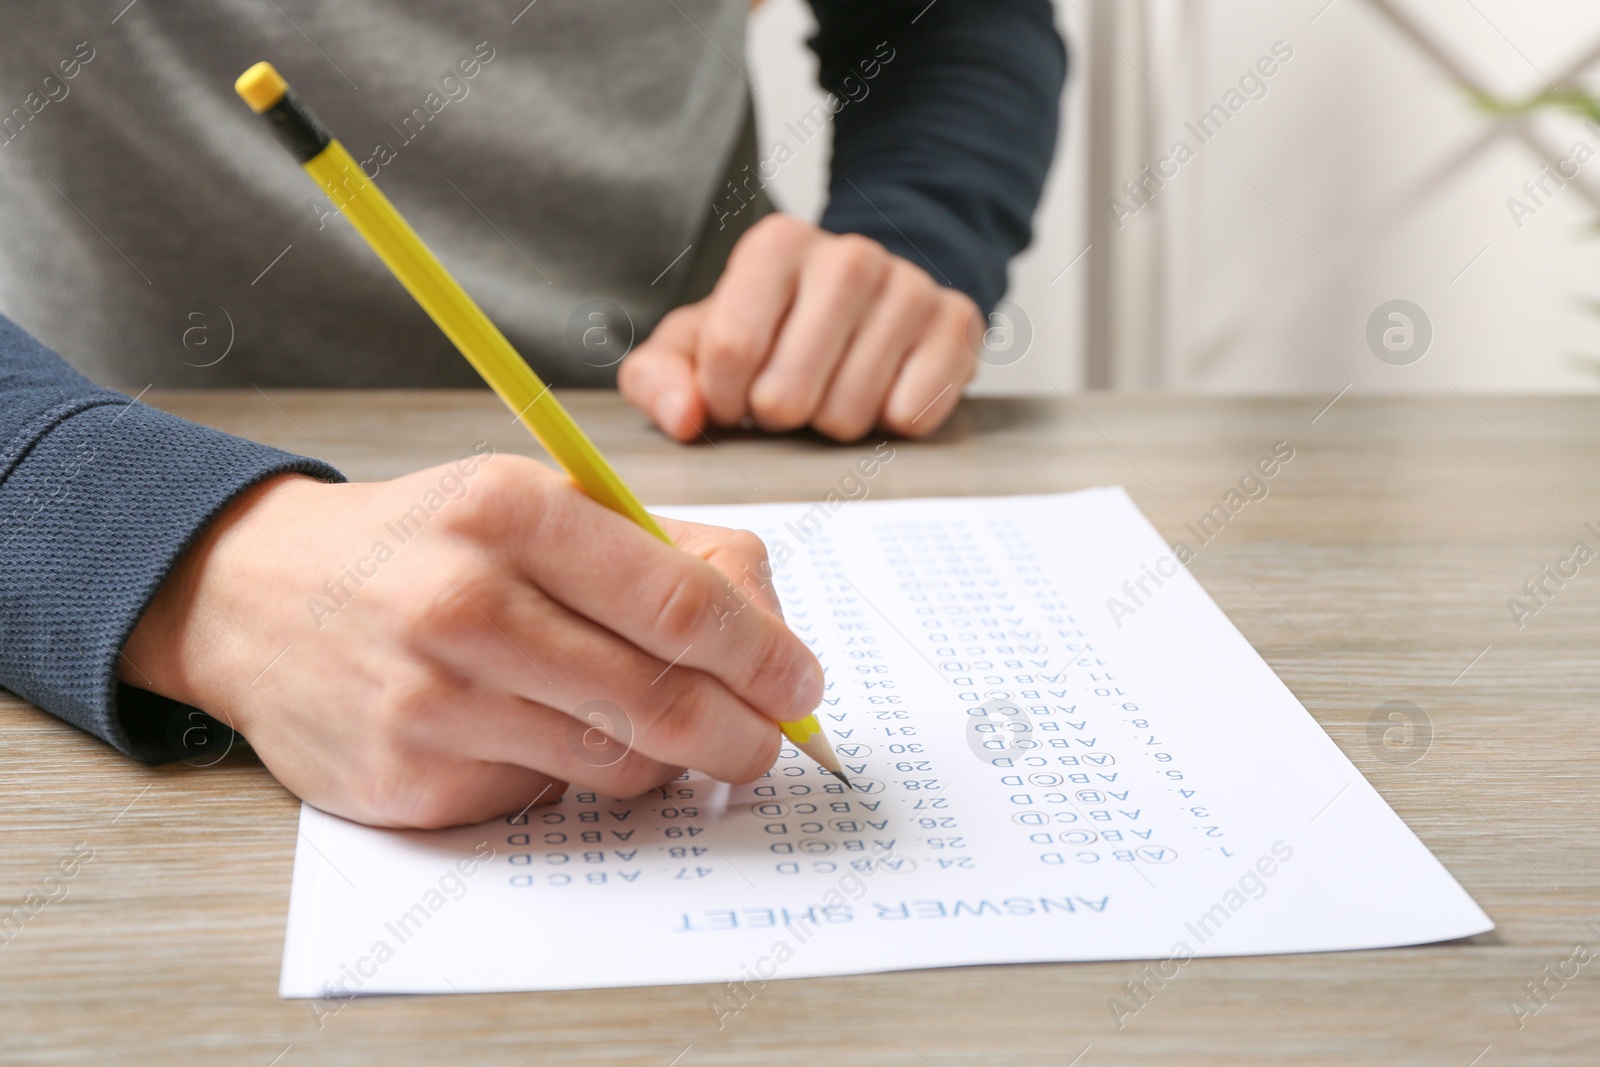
(1160, 795)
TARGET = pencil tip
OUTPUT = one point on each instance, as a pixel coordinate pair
(840, 775)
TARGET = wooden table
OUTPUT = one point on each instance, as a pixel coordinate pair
(1377, 570)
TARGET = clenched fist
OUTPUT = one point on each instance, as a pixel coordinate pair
(809, 328)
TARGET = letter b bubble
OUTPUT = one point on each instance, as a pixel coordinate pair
(1399, 332)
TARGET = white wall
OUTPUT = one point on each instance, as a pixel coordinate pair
(1367, 175)
(1364, 175)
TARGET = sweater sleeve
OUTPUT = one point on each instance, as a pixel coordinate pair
(945, 128)
(99, 496)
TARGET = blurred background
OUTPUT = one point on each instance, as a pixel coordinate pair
(1367, 168)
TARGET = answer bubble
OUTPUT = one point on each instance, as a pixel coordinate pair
(1399, 732)
(599, 733)
(1399, 332)
(599, 332)
(999, 729)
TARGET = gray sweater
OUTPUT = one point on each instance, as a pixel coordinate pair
(148, 216)
(555, 154)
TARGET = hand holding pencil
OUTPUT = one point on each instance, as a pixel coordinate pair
(477, 338)
(538, 632)
(461, 642)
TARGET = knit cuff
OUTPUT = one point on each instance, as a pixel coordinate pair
(916, 228)
(92, 518)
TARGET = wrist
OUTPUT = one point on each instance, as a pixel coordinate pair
(185, 644)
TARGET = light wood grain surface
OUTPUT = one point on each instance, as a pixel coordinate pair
(1378, 569)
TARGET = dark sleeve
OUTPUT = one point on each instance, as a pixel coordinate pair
(947, 128)
(99, 496)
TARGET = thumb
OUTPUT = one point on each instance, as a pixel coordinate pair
(658, 376)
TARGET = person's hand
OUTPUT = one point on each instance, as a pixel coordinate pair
(459, 643)
(809, 328)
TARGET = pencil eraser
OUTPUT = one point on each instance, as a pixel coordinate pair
(261, 86)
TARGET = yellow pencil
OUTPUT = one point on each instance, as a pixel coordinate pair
(479, 340)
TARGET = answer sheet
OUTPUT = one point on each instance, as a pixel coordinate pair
(1063, 751)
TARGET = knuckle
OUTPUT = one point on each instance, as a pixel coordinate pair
(682, 718)
(912, 276)
(476, 514)
(748, 547)
(961, 305)
(483, 504)
(911, 286)
(777, 229)
(727, 344)
(859, 261)
(407, 705)
(456, 605)
(761, 759)
(680, 609)
(781, 664)
(524, 476)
